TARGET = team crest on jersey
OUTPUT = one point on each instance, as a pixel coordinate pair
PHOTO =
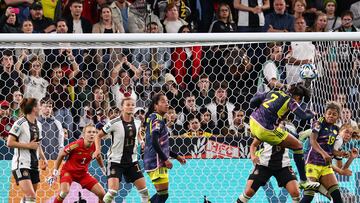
(113, 172)
(335, 132)
(16, 129)
(25, 173)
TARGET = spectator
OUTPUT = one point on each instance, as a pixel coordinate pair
(269, 78)
(140, 114)
(203, 93)
(313, 7)
(319, 24)
(187, 63)
(299, 7)
(35, 85)
(172, 22)
(120, 13)
(107, 23)
(181, 5)
(61, 26)
(52, 9)
(157, 58)
(279, 20)
(251, 15)
(333, 21)
(76, 23)
(124, 88)
(221, 109)
(52, 132)
(27, 26)
(172, 92)
(9, 78)
(171, 118)
(23, 6)
(91, 10)
(194, 128)
(41, 23)
(300, 53)
(355, 9)
(224, 22)
(346, 118)
(8, 22)
(144, 89)
(15, 105)
(59, 91)
(6, 121)
(347, 18)
(207, 124)
(239, 127)
(83, 95)
(189, 107)
(139, 17)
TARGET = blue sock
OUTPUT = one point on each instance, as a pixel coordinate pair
(300, 163)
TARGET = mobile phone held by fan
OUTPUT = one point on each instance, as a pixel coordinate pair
(15, 10)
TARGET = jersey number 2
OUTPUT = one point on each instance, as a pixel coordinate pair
(273, 98)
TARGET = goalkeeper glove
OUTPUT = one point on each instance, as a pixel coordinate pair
(52, 179)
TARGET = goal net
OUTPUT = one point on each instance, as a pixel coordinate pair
(209, 80)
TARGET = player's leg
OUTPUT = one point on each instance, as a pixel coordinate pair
(27, 188)
(134, 175)
(313, 173)
(330, 182)
(259, 176)
(293, 143)
(64, 191)
(287, 178)
(114, 177)
(23, 179)
(99, 191)
(160, 179)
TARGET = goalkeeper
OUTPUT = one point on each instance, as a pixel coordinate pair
(76, 167)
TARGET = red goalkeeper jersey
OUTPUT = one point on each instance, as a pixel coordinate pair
(79, 157)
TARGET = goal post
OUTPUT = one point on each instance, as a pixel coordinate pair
(209, 79)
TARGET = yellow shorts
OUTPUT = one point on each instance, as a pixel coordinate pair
(273, 137)
(159, 176)
(315, 171)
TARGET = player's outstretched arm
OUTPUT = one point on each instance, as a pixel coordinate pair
(50, 180)
(100, 161)
(353, 155)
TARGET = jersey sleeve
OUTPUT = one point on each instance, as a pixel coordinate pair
(297, 110)
(256, 101)
(108, 127)
(70, 147)
(15, 129)
(316, 126)
(155, 123)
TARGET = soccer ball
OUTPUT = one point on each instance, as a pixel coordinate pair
(308, 71)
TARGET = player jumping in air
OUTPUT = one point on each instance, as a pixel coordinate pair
(79, 155)
(157, 150)
(124, 132)
(273, 161)
(24, 137)
(273, 107)
(319, 158)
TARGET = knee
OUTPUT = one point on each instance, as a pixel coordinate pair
(294, 193)
(249, 192)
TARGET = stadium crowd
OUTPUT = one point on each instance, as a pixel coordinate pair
(209, 88)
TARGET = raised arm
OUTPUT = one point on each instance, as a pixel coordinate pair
(73, 63)
(19, 63)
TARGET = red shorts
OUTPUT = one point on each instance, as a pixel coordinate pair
(86, 180)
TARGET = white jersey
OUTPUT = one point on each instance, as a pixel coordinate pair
(25, 132)
(274, 157)
(124, 140)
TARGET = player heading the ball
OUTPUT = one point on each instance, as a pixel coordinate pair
(273, 107)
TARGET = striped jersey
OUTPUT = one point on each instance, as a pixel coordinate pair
(124, 140)
(25, 132)
(274, 157)
(250, 19)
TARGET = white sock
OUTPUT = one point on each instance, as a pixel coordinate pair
(109, 196)
(295, 199)
(29, 200)
(144, 195)
(244, 198)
